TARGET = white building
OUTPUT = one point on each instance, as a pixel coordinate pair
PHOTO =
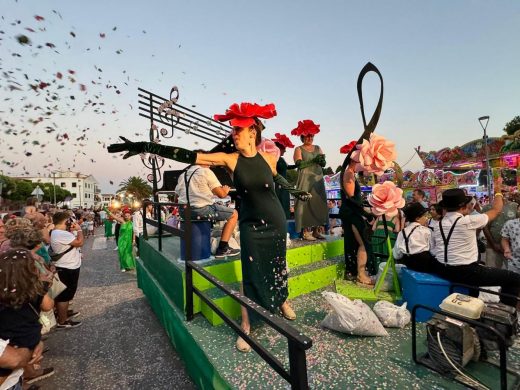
(107, 199)
(84, 188)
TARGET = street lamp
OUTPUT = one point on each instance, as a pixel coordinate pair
(488, 169)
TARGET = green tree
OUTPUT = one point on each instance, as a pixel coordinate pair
(512, 126)
(136, 186)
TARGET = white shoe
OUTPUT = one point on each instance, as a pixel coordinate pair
(115, 248)
(123, 270)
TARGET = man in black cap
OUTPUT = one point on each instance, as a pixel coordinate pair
(412, 246)
(454, 245)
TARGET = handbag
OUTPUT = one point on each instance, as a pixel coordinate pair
(57, 287)
(47, 319)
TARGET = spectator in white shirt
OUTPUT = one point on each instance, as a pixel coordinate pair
(412, 246)
(137, 222)
(66, 244)
(454, 246)
(203, 185)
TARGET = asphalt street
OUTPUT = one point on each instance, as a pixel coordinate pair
(120, 344)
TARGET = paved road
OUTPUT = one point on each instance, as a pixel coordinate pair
(121, 344)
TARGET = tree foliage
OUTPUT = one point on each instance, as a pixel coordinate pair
(19, 190)
(136, 186)
(512, 126)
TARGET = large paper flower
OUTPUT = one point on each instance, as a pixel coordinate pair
(374, 156)
(386, 199)
(306, 127)
(268, 146)
(283, 140)
(348, 147)
(244, 115)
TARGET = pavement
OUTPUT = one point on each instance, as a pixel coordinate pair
(120, 344)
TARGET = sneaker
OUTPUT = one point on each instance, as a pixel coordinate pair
(115, 248)
(72, 314)
(221, 253)
(123, 270)
(68, 324)
(46, 372)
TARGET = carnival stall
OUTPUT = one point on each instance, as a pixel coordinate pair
(504, 161)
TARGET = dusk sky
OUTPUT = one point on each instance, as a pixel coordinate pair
(444, 64)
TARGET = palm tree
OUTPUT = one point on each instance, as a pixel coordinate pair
(136, 186)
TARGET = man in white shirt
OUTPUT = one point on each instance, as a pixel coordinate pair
(66, 255)
(412, 245)
(137, 222)
(203, 185)
(419, 196)
(454, 245)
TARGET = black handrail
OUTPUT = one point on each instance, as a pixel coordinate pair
(297, 342)
(499, 336)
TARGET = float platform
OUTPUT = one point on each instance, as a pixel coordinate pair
(335, 361)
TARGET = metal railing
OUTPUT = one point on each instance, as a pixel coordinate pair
(298, 343)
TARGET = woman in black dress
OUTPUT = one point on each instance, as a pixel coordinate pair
(283, 142)
(263, 229)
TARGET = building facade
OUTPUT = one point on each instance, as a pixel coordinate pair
(84, 188)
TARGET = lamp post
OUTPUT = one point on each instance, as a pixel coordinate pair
(488, 169)
(54, 186)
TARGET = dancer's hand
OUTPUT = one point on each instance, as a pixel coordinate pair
(302, 195)
(320, 160)
(133, 148)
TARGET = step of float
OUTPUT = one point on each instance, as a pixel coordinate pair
(302, 280)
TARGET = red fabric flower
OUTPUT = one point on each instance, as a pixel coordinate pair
(283, 140)
(244, 115)
(348, 147)
(306, 127)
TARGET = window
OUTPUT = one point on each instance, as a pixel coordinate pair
(63, 185)
(74, 195)
(74, 184)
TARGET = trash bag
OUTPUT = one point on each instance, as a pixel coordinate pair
(388, 284)
(352, 317)
(490, 298)
(392, 316)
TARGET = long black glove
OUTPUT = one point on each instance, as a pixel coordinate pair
(171, 152)
(282, 182)
(320, 160)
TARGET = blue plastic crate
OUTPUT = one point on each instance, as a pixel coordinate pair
(424, 289)
(200, 240)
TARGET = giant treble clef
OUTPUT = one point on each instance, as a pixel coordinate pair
(371, 126)
(168, 113)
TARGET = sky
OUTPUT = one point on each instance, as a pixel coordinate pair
(444, 64)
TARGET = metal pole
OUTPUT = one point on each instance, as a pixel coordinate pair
(486, 148)
(54, 186)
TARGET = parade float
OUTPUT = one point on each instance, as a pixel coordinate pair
(198, 302)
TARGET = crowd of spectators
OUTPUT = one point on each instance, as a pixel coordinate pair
(40, 262)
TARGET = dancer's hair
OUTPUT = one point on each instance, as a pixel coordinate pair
(22, 234)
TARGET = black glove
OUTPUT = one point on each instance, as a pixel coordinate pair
(171, 152)
(282, 182)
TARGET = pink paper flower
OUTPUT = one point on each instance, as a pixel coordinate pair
(374, 156)
(268, 146)
(386, 199)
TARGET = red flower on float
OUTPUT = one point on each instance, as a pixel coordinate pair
(244, 115)
(283, 140)
(306, 127)
(348, 147)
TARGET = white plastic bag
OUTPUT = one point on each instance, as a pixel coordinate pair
(392, 316)
(388, 284)
(490, 298)
(352, 317)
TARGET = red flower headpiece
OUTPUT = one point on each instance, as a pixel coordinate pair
(283, 140)
(244, 115)
(348, 147)
(126, 209)
(306, 127)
